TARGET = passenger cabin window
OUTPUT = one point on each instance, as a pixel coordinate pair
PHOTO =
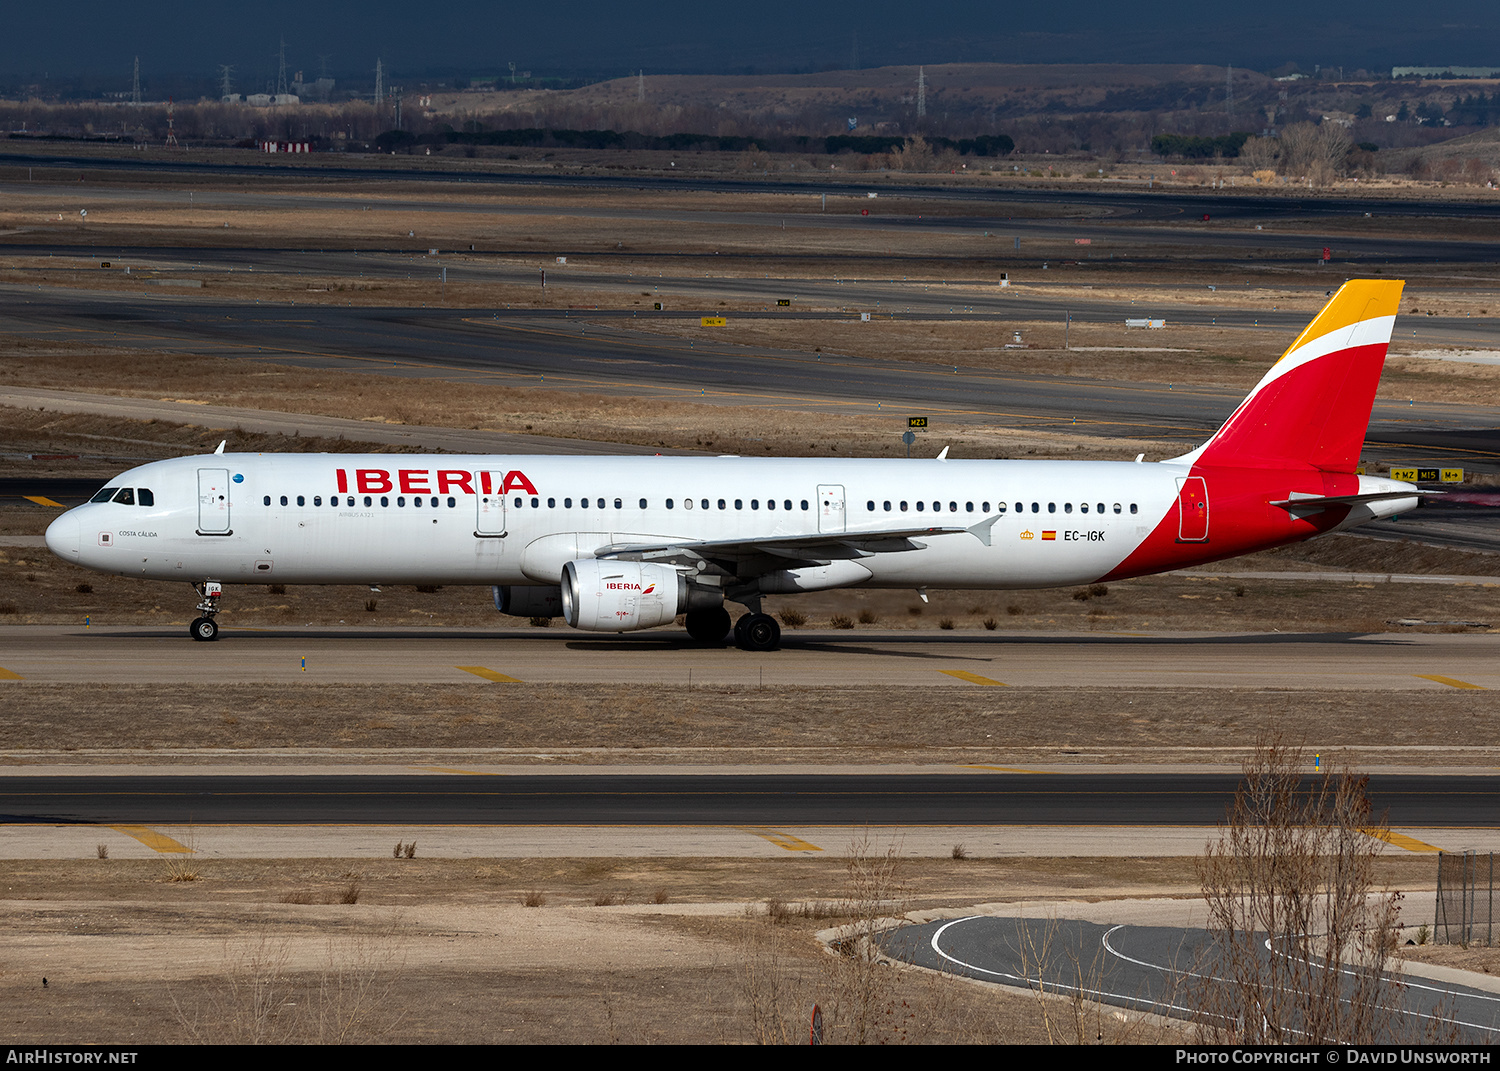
(283, 500)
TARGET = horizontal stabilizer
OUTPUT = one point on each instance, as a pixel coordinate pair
(1314, 502)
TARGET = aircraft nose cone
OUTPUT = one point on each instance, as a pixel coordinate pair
(62, 536)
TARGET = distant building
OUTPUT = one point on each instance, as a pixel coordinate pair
(271, 100)
(285, 146)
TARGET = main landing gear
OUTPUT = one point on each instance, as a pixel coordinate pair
(708, 626)
(752, 632)
(205, 627)
(757, 632)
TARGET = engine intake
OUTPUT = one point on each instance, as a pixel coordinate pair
(615, 596)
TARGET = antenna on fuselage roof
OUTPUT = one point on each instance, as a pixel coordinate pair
(944, 455)
(222, 443)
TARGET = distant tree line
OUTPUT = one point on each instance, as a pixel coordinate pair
(1191, 147)
(553, 138)
(1476, 110)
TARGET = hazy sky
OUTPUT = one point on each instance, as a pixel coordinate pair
(78, 37)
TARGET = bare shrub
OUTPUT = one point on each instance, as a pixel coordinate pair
(1067, 1013)
(370, 606)
(276, 589)
(1295, 864)
(660, 896)
(1014, 611)
(840, 621)
(259, 999)
(946, 624)
(960, 852)
(1098, 591)
(101, 851)
(84, 589)
(990, 624)
(793, 618)
(534, 898)
(868, 617)
(1081, 595)
(540, 622)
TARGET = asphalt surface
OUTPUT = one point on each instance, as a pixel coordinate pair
(1165, 970)
(120, 655)
(949, 798)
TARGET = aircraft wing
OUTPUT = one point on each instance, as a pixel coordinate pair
(792, 551)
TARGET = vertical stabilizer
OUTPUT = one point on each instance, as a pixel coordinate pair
(1312, 409)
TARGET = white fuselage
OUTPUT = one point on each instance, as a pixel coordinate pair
(448, 519)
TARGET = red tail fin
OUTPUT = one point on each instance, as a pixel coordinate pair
(1312, 409)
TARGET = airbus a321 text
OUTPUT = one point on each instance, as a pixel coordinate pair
(614, 544)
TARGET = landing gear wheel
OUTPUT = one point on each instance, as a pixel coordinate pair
(739, 629)
(708, 626)
(205, 628)
(758, 632)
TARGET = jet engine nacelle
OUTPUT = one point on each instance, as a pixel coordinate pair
(528, 600)
(614, 596)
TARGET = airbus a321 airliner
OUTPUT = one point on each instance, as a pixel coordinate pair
(614, 544)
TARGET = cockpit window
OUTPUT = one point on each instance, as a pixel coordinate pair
(126, 496)
(144, 497)
(105, 495)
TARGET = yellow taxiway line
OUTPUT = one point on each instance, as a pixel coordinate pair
(972, 678)
(488, 674)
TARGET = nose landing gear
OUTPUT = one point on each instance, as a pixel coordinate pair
(205, 627)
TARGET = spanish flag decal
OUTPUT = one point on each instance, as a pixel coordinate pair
(1049, 535)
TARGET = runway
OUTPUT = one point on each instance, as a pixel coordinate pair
(58, 654)
(954, 797)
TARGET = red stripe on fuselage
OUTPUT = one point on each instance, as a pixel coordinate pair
(1242, 519)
